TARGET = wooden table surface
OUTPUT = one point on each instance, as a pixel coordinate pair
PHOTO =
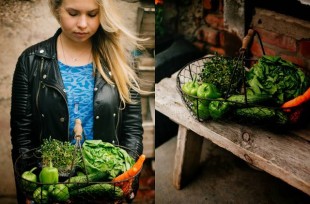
(285, 156)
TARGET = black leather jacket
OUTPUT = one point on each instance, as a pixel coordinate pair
(39, 107)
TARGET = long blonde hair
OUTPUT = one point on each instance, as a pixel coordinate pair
(108, 48)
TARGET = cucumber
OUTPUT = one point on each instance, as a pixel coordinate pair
(81, 181)
(256, 113)
(281, 118)
(262, 114)
(98, 190)
(239, 100)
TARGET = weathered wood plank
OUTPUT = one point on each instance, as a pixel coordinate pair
(285, 156)
(148, 139)
(187, 156)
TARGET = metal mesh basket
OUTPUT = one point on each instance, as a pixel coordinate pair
(82, 192)
(264, 113)
(272, 115)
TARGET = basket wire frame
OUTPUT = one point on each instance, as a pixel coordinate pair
(192, 70)
(33, 158)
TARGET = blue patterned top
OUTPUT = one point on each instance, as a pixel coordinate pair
(79, 87)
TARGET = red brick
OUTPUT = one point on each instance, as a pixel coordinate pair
(208, 35)
(207, 4)
(304, 48)
(199, 45)
(278, 40)
(218, 50)
(213, 6)
(295, 59)
(230, 42)
(222, 39)
(215, 21)
(256, 50)
(221, 6)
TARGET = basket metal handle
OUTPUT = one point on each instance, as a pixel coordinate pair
(247, 39)
(78, 130)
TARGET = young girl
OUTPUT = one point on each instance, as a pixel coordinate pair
(82, 72)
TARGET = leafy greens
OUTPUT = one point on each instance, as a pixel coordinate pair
(105, 157)
(224, 73)
(277, 77)
(61, 154)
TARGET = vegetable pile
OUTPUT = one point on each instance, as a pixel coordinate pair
(105, 157)
(106, 173)
(61, 154)
(277, 77)
(222, 72)
(273, 85)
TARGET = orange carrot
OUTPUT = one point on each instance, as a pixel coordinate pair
(298, 100)
(307, 95)
(127, 174)
(133, 171)
(139, 162)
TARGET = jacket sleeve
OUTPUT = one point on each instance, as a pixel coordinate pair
(21, 114)
(131, 129)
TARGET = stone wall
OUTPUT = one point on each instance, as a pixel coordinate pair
(22, 24)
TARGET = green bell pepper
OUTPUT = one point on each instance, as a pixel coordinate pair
(30, 179)
(201, 110)
(207, 90)
(40, 195)
(218, 109)
(59, 192)
(49, 174)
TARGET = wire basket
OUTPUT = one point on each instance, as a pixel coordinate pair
(102, 192)
(85, 190)
(247, 110)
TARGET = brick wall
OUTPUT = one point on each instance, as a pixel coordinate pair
(282, 35)
(204, 26)
(209, 28)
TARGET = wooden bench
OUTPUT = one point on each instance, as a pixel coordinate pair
(285, 156)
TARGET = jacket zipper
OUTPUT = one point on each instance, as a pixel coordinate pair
(64, 97)
(38, 91)
(37, 97)
(117, 124)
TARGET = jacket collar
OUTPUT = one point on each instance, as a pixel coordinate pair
(48, 50)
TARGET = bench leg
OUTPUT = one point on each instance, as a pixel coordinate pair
(187, 156)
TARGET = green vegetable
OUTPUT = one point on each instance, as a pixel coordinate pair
(59, 192)
(40, 195)
(98, 190)
(62, 154)
(106, 158)
(262, 114)
(201, 110)
(218, 109)
(281, 118)
(29, 184)
(251, 99)
(207, 90)
(278, 78)
(81, 181)
(190, 88)
(224, 73)
(79, 173)
(49, 174)
(256, 113)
